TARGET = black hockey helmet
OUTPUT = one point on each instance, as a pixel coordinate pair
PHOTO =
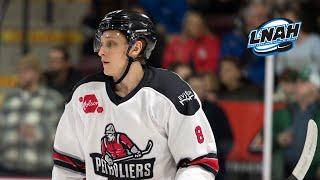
(133, 25)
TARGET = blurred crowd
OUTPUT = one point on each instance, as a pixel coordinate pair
(299, 90)
(205, 43)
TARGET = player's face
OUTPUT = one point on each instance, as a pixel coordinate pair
(113, 53)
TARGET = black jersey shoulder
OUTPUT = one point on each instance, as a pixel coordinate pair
(174, 88)
(98, 77)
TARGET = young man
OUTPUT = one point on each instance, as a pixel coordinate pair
(132, 121)
(61, 76)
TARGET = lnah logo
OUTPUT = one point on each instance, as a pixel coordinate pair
(90, 104)
(120, 157)
(273, 36)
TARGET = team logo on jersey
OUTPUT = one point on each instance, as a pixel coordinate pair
(276, 35)
(185, 97)
(121, 158)
(90, 104)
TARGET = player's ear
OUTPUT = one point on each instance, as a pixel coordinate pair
(136, 49)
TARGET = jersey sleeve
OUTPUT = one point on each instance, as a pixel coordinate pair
(126, 141)
(68, 155)
(190, 138)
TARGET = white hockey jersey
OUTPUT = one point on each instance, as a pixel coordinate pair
(100, 134)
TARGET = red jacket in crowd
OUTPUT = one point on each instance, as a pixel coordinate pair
(204, 52)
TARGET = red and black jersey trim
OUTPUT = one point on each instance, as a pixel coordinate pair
(208, 162)
(68, 162)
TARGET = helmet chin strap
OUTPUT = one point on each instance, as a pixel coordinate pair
(130, 59)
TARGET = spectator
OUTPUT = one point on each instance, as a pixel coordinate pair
(286, 87)
(183, 70)
(235, 43)
(306, 49)
(61, 75)
(28, 119)
(218, 122)
(211, 84)
(233, 85)
(290, 127)
(195, 46)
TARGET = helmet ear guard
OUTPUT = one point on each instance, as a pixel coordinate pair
(148, 46)
(143, 47)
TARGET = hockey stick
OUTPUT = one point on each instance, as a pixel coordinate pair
(308, 151)
(145, 151)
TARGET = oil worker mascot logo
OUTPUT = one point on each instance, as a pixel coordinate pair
(273, 36)
(121, 158)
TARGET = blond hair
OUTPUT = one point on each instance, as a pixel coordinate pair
(31, 62)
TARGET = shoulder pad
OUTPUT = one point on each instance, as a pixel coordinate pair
(176, 90)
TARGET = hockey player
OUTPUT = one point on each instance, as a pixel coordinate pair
(132, 121)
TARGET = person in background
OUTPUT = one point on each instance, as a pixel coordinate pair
(305, 50)
(290, 127)
(28, 119)
(212, 86)
(286, 87)
(60, 75)
(233, 85)
(218, 121)
(235, 43)
(183, 70)
(194, 46)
